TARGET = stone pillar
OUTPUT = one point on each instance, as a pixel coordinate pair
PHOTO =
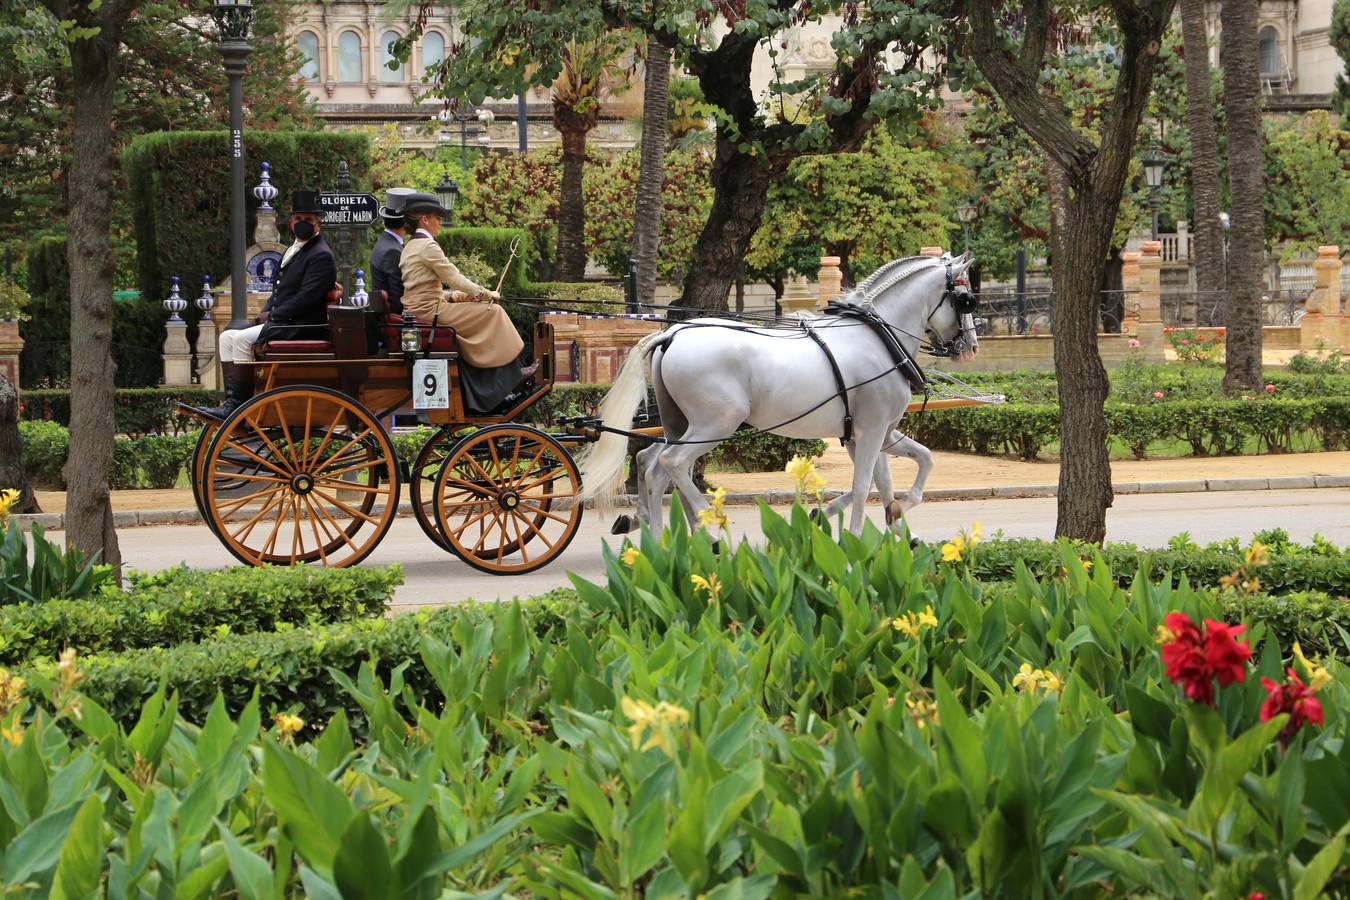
(208, 373)
(265, 227)
(564, 335)
(799, 297)
(629, 328)
(1322, 318)
(11, 344)
(1129, 279)
(1183, 240)
(1149, 296)
(595, 344)
(830, 280)
(177, 354)
(935, 252)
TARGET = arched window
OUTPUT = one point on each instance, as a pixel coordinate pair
(387, 57)
(433, 50)
(349, 57)
(1269, 41)
(308, 43)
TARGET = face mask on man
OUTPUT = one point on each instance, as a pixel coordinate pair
(304, 230)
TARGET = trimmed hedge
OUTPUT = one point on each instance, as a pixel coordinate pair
(138, 411)
(182, 605)
(180, 190)
(153, 461)
(1291, 569)
(293, 669)
(1210, 427)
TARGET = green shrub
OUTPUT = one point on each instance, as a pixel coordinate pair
(163, 457)
(137, 411)
(181, 605)
(758, 452)
(45, 448)
(52, 574)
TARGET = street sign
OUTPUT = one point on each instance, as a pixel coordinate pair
(350, 210)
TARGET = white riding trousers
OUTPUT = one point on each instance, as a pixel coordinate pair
(236, 346)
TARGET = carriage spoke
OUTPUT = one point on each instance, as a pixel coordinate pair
(281, 457)
(520, 537)
(314, 526)
(247, 528)
(290, 438)
(327, 436)
(349, 486)
(226, 510)
(309, 417)
(529, 467)
(271, 541)
(233, 445)
(351, 511)
(543, 512)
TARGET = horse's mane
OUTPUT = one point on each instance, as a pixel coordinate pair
(887, 276)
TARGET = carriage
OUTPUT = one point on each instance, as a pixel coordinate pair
(307, 472)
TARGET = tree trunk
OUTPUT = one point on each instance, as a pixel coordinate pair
(12, 474)
(1080, 236)
(1207, 256)
(740, 191)
(570, 264)
(651, 175)
(89, 519)
(1247, 247)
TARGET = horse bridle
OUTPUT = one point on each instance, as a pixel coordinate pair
(963, 302)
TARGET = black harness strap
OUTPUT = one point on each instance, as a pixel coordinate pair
(838, 380)
(904, 363)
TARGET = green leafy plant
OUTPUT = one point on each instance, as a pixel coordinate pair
(51, 574)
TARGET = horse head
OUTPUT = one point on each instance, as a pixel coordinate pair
(950, 323)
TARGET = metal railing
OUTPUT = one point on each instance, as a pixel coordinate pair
(1003, 312)
(1206, 309)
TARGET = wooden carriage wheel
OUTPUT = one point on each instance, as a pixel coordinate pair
(198, 462)
(422, 484)
(506, 499)
(321, 486)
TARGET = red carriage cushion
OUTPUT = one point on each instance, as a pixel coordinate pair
(444, 340)
(298, 346)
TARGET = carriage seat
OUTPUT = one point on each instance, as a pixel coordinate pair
(303, 346)
(443, 341)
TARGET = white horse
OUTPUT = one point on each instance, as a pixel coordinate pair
(712, 375)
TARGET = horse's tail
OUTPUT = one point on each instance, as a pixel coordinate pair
(602, 463)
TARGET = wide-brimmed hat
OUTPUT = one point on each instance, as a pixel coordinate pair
(420, 204)
(394, 201)
(306, 202)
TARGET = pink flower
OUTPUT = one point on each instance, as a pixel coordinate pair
(1134, 343)
(1270, 389)
(1185, 341)
(1157, 395)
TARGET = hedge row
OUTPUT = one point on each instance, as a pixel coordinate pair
(292, 669)
(137, 411)
(1209, 427)
(182, 605)
(1291, 569)
(154, 461)
(1136, 383)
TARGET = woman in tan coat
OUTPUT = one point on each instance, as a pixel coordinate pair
(485, 335)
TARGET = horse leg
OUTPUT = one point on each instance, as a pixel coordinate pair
(912, 449)
(678, 462)
(867, 451)
(649, 478)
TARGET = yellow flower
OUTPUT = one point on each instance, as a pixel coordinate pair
(11, 691)
(14, 735)
(927, 618)
(709, 584)
(715, 513)
(1027, 678)
(1318, 676)
(654, 719)
(1087, 564)
(922, 712)
(1257, 554)
(976, 535)
(630, 556)
(952, 550)
(1052, 682)
(907, 625)
(1164, 635)
(804, 475)
(8, 497)
(65, 667)
(288, 725)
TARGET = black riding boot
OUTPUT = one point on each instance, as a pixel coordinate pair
(238, 388)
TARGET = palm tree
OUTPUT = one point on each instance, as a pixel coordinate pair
(1209, 275)
(589, 73)
(1247, 247)
(651, 174)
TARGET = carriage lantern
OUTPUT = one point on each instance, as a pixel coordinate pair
(175, 304)
(409, 337)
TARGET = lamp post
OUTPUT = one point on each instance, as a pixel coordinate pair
(966, 213)
(484, 117)
(1155, 164)
(1225, 223)
(233, 18)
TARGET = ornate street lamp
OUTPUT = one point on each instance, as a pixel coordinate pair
(484, 116)
(233, 19)
(447, 192)
(966, 213)
(1155, 164)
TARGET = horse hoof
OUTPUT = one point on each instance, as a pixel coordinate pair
(716, 547)
(622, 525)
(914, 543)
(813, 515)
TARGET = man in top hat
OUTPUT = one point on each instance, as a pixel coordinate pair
(384, 271)
(297, 309)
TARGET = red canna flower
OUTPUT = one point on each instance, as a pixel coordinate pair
(1183, 655)
(1294, 698)
(1224, 654)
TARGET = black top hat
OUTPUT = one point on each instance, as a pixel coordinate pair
(422, 204)
(306, 202)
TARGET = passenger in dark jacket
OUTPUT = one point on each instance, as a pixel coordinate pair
(384, 271)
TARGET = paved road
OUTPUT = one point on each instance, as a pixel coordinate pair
(434, 577)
